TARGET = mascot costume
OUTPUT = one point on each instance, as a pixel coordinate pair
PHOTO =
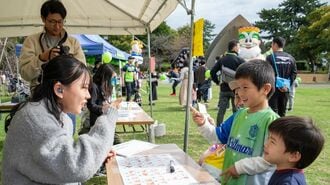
(136, 51)
(249, 40)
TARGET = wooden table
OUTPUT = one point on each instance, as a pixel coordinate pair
(131, 114)
(202, 176)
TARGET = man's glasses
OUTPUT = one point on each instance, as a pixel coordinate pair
(54, 22)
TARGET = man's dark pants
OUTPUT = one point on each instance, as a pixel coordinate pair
(129, 90)
(225, 97)
(278, 102)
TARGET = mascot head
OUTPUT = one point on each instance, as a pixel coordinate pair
(136, 48)
(249, 40)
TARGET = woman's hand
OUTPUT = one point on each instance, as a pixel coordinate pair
(116, 103)
(105, 107)
(197, 116)
(112, 154)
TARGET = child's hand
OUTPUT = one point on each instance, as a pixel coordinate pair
(197, 116)
(211, 120)
(230, 173)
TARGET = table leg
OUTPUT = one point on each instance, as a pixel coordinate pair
(150, 133)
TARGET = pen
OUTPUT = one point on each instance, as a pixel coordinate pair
(172, 169)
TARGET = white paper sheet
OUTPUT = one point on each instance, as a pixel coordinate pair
(132, 147)
(153, 169)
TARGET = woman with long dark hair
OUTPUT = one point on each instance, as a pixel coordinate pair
(104, 80)
(39, 147)
(101, 91)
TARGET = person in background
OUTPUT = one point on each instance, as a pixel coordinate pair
(41, 47)
(292, 145)
(39, 147)
(286, 67)
(138, 84)
(129, 77)
(201, 80)
(101, 98)
(101, 94)
(154, 83)
(194, 95)
(292, 94)
(232, 61)
(184, 85)
(173, 75)
(245, 132)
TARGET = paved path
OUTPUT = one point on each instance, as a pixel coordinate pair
(317, 85)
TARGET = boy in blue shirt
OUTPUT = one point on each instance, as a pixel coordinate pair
(292, 145)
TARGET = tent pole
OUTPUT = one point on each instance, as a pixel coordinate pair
(149, 57)
(120, 80)
(3, 48)
(190, 78)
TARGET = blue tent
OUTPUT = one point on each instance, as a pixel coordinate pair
(93, 45)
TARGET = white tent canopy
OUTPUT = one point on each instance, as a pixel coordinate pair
(105, 17)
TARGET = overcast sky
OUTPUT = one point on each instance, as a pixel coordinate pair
(221, 12)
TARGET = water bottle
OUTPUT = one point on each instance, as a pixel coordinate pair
(113, 95)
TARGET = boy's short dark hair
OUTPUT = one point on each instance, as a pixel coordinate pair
(51, 7)
(280, 41)
(232, 44)
(259, 72)
(299, 135)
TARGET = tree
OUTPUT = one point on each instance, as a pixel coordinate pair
(286, 21)
(8, 61)
(122, 42)
(208, 36)
(314, 39)
(163, 29)
(161, 40)
(184, 36)
(184, 33)
(270, 23)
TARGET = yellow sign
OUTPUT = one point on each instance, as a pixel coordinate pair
(198, 38)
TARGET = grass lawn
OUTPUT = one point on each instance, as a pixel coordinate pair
(313, 101)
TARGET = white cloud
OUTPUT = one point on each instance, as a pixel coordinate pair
(221, 12)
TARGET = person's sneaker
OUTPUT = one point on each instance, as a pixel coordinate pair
(173, 94)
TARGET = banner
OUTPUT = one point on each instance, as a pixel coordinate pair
(152, 64)
(198, 38)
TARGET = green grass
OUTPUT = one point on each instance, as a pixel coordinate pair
(310, 101)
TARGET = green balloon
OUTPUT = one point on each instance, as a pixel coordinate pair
(106, 57)
(162, 77)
